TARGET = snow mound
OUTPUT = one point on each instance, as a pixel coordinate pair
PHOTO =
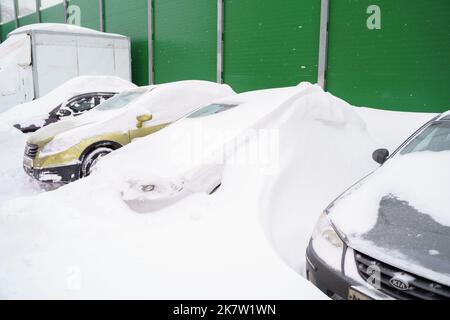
(324, 148)
(14, 181)
(82, 241)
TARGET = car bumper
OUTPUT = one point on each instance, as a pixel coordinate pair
(336, 284)
(63, 174)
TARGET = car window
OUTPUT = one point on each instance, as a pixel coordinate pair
(435, 138)
(120, 101)
(211, 109)
(82, 104)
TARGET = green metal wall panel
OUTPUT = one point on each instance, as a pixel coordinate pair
(402, 66)
(130, 18)
(53, 14)
(7, 28)
(185, 40)
(28, 19)
(89, 13)
(270, 43)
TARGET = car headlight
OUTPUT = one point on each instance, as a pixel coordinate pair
(325, 230)
(327, 243)
(137, 190)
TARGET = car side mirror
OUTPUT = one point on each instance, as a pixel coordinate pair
(142, 119)
(380, 156)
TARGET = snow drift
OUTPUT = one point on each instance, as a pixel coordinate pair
(82, 241)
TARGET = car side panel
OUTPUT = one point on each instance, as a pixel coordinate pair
(145, 131)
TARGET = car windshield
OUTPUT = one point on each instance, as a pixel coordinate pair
(435, 138)
(211, 109)
(120, 101)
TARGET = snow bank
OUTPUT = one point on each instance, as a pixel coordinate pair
(324, 148)
(82, 241)
(35, 112)
(14, 181)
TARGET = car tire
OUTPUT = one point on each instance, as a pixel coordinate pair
(91, 159)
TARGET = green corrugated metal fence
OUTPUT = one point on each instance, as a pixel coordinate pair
(53, 14)
(89, 13)
(185, 40)
(130, 18)
(405, 65)
(270, 44)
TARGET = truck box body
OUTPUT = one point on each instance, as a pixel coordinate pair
(36, 59)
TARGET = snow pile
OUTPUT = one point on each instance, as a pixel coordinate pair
(37, 111)
(324, 148)
(14, 181)
(82, 241)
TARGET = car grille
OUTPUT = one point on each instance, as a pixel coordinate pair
(31, 151)
(419, 288)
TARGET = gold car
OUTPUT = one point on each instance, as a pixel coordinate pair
(66, 151)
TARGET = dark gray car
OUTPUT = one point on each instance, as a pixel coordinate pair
(388, 236)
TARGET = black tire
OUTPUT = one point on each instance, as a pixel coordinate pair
(90, 160)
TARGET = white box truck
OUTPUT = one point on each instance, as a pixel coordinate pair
(37, 58)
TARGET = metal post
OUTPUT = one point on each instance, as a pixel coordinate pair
(151, 71)
(323, 43)
(16, 13)
(220, 14)
(101, 15)
(38, 11)
(66, 5)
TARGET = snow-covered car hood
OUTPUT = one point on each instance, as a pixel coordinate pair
(401, 214)
(68, 127)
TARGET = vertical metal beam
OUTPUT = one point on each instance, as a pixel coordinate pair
(220, 15)
(66, 5)
(151, 70)
(101, 14)
(16, 12)
(38, 11)
(323, 43)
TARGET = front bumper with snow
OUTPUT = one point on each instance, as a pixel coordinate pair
(336, 284)
(62, 174)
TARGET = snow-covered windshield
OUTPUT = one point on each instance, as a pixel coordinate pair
(435, 138)
(211, 109)
(120, 101)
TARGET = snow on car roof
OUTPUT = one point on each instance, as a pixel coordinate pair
(60, 28)
(36, 109)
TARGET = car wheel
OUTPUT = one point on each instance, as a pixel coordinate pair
(91, 159)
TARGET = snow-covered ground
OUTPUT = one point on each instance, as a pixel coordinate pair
(247, 241)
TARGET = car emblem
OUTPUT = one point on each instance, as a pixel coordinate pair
(399, 284)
